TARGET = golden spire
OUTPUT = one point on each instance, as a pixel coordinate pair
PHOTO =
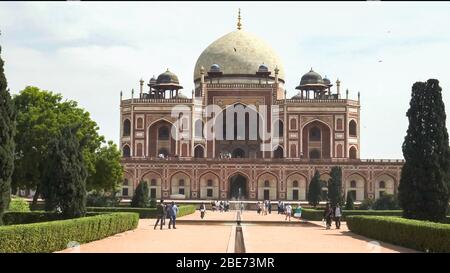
(239, 25)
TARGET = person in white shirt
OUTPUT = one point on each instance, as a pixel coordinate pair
(337, 216)
(288, 212)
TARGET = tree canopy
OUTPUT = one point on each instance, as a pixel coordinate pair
(42, 115)
(7, 131)
(335, 186)
(315, 190)
(64, 177)
(424, 182)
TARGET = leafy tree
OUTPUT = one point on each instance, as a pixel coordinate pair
(335, 186)
(64, 178)
(423, 189)
(315, 190)
(141, 196)
(386, 202)
(7, 131)
(107, 173)
(41, 117)
(349, 203)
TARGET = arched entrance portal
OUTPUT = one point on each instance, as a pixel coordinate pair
(238, 187)
(238, 153)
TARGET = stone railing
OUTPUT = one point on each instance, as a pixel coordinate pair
(137, 100)
(239, 85)
(263, 160)
(312, 101)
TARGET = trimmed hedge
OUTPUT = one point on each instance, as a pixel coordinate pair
(18, 205)
(17, 218)
(317, 215)
(144, 213)
(420, 235)
(55, 235)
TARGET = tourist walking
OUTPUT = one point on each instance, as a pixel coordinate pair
(328, 215)
(288, 212)
(160, 214)
(279, 206)
(337, 216)
(241, 207)
(202, 210)
(168, 209)
(258, 207)
(269, 206)
(173, 211)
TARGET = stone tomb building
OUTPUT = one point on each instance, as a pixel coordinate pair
(314, 130)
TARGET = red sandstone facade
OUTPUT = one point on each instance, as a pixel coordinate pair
(315, 130)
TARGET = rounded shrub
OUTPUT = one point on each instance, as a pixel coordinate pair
(18, 205)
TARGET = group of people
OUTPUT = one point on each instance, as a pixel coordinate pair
(263, 207)
(164, 211)
(220, 206)
(225, 155)
(330, 213)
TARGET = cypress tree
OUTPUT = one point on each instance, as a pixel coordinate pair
(315, 190)
(7, 131)
(64, 179)
(349, 203)
(423, 189)
(141, 196)
(335, 186)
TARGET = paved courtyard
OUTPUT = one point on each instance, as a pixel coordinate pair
(216, 234)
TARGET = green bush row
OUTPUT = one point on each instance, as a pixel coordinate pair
(317, 215)
(19, 205)
(17, 218)
(55, 235)
(144, 213)
(420, 235)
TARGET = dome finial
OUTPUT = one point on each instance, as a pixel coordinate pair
(239, 25)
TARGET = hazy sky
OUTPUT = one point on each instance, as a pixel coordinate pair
(91, 51)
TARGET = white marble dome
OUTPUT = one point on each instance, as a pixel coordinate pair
(239, 53)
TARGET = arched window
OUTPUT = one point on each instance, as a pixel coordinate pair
(198, 152)
(153, 182)
(199, 128)
(139, 149)
(238, 153)
(353, 184)
(163, 133)
(267, 184)
(314, 154)
(278, 153)
(181, 183)
(279, 127)
(126, 151)
(339, 150)
(140, 123)
(382, 185)
(209, 183)
(163, 151)
(352, 128)
(126, 127)
(293, 124)
(352, 153)
(125, 182)
(314, 134)
(339, 124)
(295, 184)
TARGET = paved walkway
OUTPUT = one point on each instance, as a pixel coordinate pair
(268, 233)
